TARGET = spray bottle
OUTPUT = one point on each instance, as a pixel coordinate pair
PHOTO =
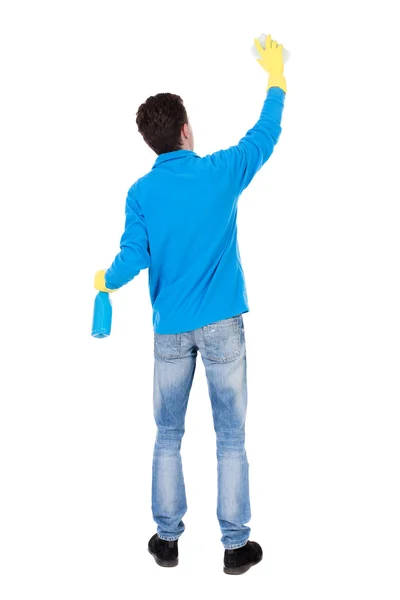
(102, 315)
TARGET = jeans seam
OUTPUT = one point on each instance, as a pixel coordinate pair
(235, 546)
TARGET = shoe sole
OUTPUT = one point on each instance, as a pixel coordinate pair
(242, 569)
(164, 563)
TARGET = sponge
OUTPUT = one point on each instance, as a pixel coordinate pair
(261, 38)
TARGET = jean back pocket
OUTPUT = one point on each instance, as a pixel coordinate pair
(222, 339)
(167, 345)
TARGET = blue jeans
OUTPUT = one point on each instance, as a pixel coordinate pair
(223, 351)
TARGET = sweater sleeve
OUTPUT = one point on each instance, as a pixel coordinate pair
(245, 159)
(134, 254)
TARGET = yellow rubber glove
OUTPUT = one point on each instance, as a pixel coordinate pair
(271, 61)
(99, 282)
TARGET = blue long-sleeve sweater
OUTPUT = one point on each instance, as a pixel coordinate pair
(181, 223)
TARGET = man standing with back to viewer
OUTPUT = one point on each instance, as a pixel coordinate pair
(181, 223)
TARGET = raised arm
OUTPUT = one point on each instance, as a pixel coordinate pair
(254, 149)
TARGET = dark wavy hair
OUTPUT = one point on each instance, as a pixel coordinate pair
(160, 120)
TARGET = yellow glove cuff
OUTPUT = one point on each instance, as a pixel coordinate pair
(100, 283)
(277, 81)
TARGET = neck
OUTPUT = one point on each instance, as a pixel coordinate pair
(185, 144)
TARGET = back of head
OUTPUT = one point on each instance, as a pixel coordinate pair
(160, 120)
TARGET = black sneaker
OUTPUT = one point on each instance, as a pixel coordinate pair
(165, 552)
(239, 560)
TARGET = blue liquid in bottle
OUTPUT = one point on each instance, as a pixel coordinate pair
(102, 315)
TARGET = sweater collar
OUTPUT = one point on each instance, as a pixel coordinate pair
(173, 155)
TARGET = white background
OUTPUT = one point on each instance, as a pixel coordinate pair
(319, 239)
